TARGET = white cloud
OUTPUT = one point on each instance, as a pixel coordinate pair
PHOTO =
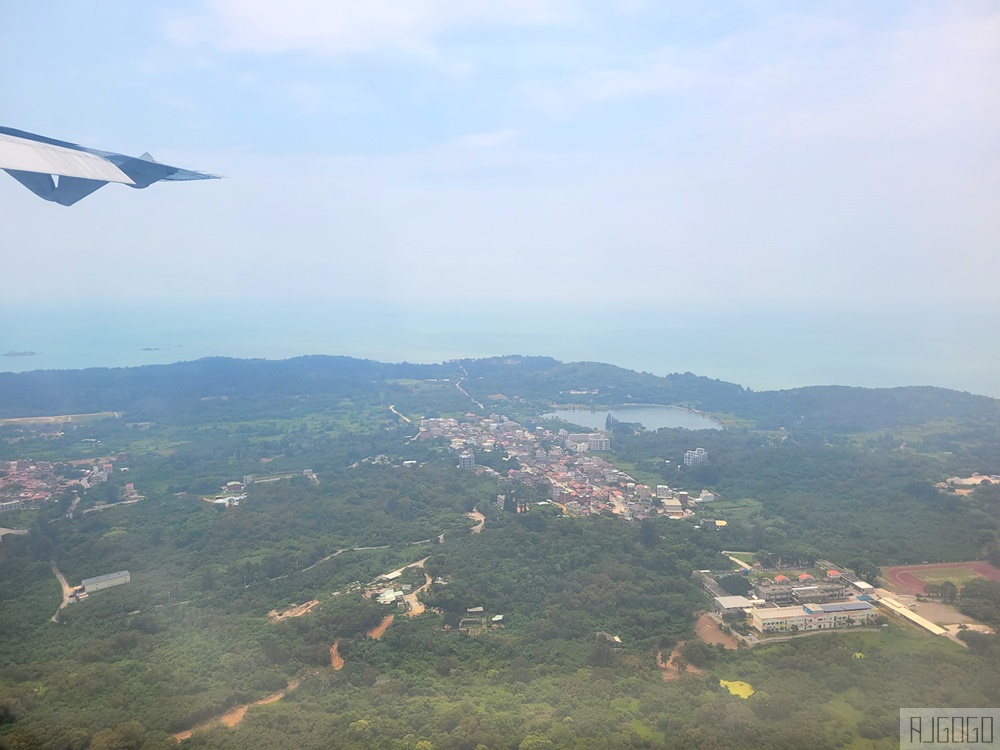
(350, 27)
(809, 75)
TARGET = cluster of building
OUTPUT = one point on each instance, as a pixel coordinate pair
(782, 605)
(476, 621)
(232, 494)
(965, 485)
(25, 484)
(578, 481)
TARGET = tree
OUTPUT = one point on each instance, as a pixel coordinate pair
(602, 655)
(360, 730)
(736, 585)
(949, 591)
(696, 652)
(866, 569)
(648, 536)
(535, 742)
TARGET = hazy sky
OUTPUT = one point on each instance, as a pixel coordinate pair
(779, 155)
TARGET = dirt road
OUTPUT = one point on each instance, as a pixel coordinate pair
(336, 660)
(296, 610)
(414, 605)
(235, 715)
(66, 589)
(379, 630)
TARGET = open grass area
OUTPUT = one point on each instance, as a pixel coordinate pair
(957, 576)
(741, 510)
(738, 687)
(641, 477)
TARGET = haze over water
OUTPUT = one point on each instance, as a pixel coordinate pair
(650, 417)
(759, 350)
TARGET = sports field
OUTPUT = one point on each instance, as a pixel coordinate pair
(912, 579)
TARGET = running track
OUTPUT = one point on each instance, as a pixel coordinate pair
(907, 577)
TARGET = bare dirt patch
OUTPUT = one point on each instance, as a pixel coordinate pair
(415, 606)
(709, 631)
(379, 630)
(60, 419)
(480, 520)
(234, 717)
(336, 660)
(938, 612)
(667, 669)
(296, 610)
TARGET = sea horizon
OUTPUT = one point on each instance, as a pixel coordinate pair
(762, 351)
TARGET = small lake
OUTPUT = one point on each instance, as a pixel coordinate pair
(650, 417)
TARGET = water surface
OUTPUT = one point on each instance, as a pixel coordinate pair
(651, 417)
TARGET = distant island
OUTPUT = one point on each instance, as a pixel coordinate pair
(19, 354)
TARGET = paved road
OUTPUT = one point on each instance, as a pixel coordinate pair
(392, 408)
(459, 386)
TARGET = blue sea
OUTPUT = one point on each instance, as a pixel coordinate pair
(758, 349)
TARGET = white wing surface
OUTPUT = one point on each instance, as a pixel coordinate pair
(32, 156)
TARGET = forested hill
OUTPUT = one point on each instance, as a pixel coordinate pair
(844, 409)
(151, 389)
(156, 390)
(828, 408)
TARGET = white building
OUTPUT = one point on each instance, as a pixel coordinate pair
(695, 457)
(812, 617)
(598, 442)
(90, 585)
(466, 460)
(725, 604)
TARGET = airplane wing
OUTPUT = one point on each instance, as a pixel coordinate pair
(64, 172)
(31, 156)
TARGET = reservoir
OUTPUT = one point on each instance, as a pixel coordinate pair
(651, 417)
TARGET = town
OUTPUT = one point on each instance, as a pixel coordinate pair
(24, 485)
(562, 463)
